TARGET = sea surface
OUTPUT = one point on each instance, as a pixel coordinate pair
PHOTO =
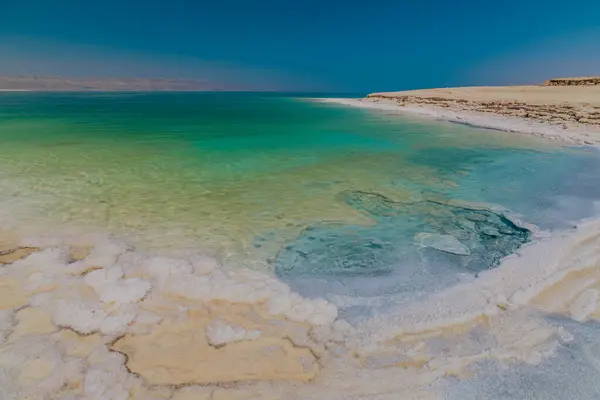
(364, 208)
(330, 199)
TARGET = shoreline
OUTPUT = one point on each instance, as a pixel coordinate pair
(578, 134)
(86, 315)
(120, 307)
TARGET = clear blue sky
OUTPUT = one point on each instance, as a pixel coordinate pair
(310, 44)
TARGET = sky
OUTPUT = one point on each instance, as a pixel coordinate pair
(310, 45)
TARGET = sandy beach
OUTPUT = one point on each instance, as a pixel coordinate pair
(567, 113)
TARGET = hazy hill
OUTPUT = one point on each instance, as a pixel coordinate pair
(42, 83)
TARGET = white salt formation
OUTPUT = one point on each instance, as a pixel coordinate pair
(220, 333)
(96, 319)
(446, 243)
(585, 305)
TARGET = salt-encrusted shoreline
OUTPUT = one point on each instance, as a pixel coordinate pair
(86, 315)
(579, 134)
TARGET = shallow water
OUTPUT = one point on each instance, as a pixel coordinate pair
(242, 175)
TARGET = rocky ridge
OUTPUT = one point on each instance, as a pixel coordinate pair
(582, 81)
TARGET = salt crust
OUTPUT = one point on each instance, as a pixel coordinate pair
(585, 305)
(219, 333)
(117, 291)
(515, 283)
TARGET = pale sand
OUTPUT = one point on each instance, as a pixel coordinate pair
(566, 113)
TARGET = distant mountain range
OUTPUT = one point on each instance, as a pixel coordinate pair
(51, 84)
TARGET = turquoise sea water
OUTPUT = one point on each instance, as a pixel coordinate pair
(333, 200)
(365, 208)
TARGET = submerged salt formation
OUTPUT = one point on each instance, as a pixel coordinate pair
(473, 239)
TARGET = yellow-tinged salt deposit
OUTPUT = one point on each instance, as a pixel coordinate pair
(189, 358)
(111, 322)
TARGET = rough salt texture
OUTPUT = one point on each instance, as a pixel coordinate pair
(446, 243)
(83, 312)
(219, 333)
(585, 305)
(186, 358)
(119, 324)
